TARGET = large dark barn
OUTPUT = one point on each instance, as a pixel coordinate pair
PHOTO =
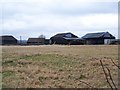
(98, 38)
(66, 39)
(8, 40)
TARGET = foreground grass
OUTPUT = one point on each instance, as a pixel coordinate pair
(57, 66)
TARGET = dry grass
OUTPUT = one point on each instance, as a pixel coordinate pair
(57, 66)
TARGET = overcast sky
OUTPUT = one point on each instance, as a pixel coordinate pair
(31, 18)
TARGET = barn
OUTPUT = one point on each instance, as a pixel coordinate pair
(98, 38)
(36, 41)
(8, 40)
(66, 38)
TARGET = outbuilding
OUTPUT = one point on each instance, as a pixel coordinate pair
(8, 40)
(36, 41)
(66, 39)
(98, 38)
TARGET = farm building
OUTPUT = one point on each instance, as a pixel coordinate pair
(98, 38)
(36, 41)
(115, 41)
(66, 38)
(8, 40)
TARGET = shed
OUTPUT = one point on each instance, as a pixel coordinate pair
(66, 38)
(8, 40)
(36, 41)
(98, 38)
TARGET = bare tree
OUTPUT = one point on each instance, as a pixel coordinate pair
(87, 84)
(108, 76)
(115, 64)
(41, 36)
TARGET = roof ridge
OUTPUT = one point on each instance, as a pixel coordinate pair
(63, 33)
(96, 32)
(103, 34)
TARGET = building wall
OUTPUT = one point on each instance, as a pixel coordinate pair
(108, 41)
(9, 42)
(76, 42)
(35, 43)
(94, 41)
(59, 41)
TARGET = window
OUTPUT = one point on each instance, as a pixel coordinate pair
(68, 35)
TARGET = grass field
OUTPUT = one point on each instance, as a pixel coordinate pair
(58, 66)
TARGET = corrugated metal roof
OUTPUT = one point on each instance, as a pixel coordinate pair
(98, 35)
(65, 35)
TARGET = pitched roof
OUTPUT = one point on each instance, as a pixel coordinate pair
(65, 35)
(36, 39)
(7, 37)
(98, 35)
(72, 38)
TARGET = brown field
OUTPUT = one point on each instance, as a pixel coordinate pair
(58, 66)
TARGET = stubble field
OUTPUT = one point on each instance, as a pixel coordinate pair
(58, 66)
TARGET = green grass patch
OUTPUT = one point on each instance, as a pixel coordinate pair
(9, 79)
(4, 87)
(53, 59)
(7, 74)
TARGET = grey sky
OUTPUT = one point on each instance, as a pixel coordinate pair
(31, 18)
